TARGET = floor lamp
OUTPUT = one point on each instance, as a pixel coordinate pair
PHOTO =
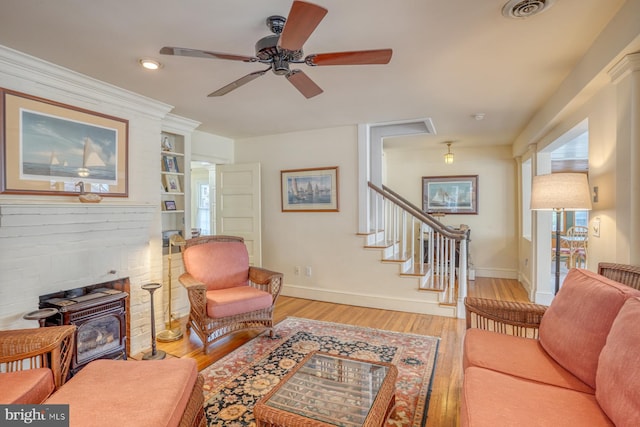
(560, 192)
(171, 334)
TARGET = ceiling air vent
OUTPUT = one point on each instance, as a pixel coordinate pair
(525, 8)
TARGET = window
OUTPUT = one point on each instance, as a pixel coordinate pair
(581, 218)
(203, 218)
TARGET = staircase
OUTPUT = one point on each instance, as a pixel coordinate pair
(422, 248)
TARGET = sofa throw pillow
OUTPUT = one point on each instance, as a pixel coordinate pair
(617, 379)
(575, 326)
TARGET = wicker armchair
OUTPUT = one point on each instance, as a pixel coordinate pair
(226, 294)
(523, 319)
(22, 349)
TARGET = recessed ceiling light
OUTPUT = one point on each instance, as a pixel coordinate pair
(150, 64)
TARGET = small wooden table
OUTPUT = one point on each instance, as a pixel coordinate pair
(327, 390)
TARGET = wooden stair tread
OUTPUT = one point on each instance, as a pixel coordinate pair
(415, 270)
(397, 257)
(381, 244)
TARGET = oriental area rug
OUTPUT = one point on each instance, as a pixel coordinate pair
(236, 382)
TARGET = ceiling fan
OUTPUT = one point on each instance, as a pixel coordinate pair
(284, 47)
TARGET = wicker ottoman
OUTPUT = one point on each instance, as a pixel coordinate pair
(329, 390)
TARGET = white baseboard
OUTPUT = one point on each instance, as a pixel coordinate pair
(497, 273)
(383, 302)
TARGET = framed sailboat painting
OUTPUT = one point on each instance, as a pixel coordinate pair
(50, 147)
(309, 190)
(450, 194)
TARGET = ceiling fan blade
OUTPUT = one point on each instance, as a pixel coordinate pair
(359, 57)
(302, 20)
(303, 83)
(236, 84)
(196, 53)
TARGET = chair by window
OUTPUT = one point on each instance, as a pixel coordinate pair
(577, 238)
(225, 292)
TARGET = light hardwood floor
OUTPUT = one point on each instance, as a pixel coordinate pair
(445, 399)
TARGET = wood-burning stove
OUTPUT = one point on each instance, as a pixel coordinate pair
(99, 313)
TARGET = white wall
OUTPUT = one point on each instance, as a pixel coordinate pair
(211, 148)
(342, 270)
(493, 230)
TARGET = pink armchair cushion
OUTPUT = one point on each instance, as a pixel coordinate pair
(517, 356)
(108, 393)
(490, 398)
(219, 265)
(618, 376)
(31, 386)
(232, 301)
(574, 328)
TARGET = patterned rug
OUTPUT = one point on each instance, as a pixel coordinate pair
(236, 382)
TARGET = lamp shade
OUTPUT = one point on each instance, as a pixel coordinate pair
(566, 191)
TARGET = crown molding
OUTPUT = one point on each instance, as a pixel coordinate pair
(627, 65)
(22, 72)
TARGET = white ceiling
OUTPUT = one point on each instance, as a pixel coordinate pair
(451, 59)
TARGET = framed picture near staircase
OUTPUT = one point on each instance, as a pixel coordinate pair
(309, 190)
(450, 194)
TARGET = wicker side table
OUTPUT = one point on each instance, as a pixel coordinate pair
(326, 390)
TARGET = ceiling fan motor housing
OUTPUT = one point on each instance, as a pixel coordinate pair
(267, 50)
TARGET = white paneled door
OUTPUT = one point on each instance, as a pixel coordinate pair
(238, 205)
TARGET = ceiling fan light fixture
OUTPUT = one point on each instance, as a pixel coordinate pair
(448, 156)
(150, 64)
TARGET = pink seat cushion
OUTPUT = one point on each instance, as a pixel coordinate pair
(490, 398)
(618, 376)
(31, 386)
(108, 393)
(575, 326)
(517, 356)
(219, 265)
(232, 301)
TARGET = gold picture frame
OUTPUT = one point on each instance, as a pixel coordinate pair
(49, 147)
(309, 190)
(172, 183)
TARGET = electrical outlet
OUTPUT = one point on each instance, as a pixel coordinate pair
(296, 270)
(307, 271)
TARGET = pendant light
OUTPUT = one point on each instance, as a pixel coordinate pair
(448, 157)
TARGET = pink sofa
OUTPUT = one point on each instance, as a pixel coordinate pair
(583, 370)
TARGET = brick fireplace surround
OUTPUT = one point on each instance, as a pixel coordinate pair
(50, 247)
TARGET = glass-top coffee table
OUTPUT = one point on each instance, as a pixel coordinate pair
(329, 390)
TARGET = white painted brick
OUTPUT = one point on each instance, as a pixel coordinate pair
(48, 248)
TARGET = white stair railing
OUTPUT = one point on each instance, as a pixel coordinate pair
(425, 242)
